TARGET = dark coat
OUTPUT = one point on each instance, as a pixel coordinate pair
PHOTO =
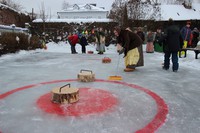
(141, 35)
(195, 39)
(129, 40)
(159, 38)
(173, 38)
(83, 41)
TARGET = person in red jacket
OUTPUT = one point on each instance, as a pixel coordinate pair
(73, 40)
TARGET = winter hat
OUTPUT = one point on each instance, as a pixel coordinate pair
(188, 22)
(170, 22)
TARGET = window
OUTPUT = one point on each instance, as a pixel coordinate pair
(76, 7)
(88, 7)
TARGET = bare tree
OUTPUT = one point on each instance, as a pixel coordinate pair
(139, 9)
(5, 2)
(125, 20)
(12, 4)
(43, 15)
(116, 13)
(134, 9)
(65, 5)
(17, 7)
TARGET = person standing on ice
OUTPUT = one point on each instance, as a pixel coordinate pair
(100, 40)
(83, 42)
(129, 41)
(172, 46)
(195, 36)
(186, 33)
(73, 40)
(140, 48)
(150, 40)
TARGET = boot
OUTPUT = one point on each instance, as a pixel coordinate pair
(130, 66)
(129, 69)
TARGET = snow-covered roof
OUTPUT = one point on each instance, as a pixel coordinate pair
(83, 8)
(2, 6)
(179, 12)
(78, 8)
(73, 20)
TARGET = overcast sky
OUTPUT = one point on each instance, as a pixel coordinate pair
(54, 6)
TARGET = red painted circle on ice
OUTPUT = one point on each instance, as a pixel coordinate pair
(90, 101)
(151, 127)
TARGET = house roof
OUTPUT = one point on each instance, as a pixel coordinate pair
(2, 6)
(179, 12)
(83, 8)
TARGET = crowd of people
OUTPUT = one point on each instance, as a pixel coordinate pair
(98, 38)
(170, 41)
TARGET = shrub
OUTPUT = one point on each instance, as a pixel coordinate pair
(35, 43)
(10, 44)
(23, 41)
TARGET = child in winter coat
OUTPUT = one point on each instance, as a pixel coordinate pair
(83, 42)
(186, 34)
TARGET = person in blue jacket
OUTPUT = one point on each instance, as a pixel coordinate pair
(185, 34)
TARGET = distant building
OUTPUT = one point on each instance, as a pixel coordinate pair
(86, 13)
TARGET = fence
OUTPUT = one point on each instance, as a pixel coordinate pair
(13, 28)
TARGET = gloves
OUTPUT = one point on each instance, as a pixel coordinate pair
(121, 51)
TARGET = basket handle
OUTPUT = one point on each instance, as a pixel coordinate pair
(86, 70)
(64, 86)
